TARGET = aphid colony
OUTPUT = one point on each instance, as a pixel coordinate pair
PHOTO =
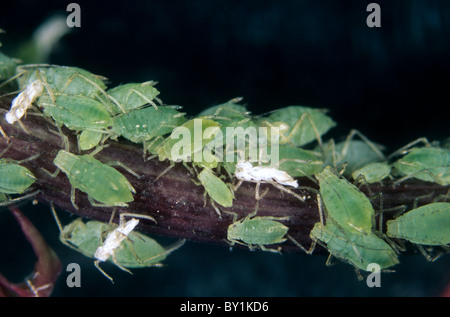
(224, 142)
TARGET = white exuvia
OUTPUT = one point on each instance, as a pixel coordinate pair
(114, 239)
(23, 101)
(245, 171)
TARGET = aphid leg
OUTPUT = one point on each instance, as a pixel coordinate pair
(372, 145)
(172, 164)
(33, 157)
(23, 127)
(358, 273)
(54, 174)
(19, 199)
(416, 200)
(119, 265)
(95, 204)
(235, 215)
(425, 253)
(72, 197)
(442, 197)
(97, 265)
(99, 148)
(277, 250)
(312, 247)
(189, 169)
(103, 92)
(435, 177)
(65, 140)
(297, 126)
(235, 188)
(379, 232)
(257, 195)
(143, 97)
(62, 238)
(282, 188)
(215, 208)
(133, 215)
(4, 135)
(172, 248)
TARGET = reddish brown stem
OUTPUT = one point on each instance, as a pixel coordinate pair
(174, 200)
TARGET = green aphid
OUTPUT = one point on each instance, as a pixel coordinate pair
(342, 244)
(62, 79)
(7, 67)
(88, 139)
(100, 181)
(235, 123)
(348, 206)
(228, 114)
(14, 179)
(144, 124)
(429, 164)
(355, 154)
(135, 251)
(298, 162)
(79, 113)
(428, 225)
(305, 124)
(134, 96)
(187, 142)
(372, 172)
(259, 231)
(216, 188)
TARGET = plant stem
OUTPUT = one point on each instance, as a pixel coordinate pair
(174, 200)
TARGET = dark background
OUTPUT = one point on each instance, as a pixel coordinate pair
(391, 83)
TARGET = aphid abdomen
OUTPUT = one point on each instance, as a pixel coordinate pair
(348, 206)
(77, 112)
(14, 179)
(100, 181)
(342, 244)
(428, 225)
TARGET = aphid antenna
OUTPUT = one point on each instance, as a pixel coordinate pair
(120, 164)
(404, 149)
(10, 79)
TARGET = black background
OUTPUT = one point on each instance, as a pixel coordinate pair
(391, 83)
